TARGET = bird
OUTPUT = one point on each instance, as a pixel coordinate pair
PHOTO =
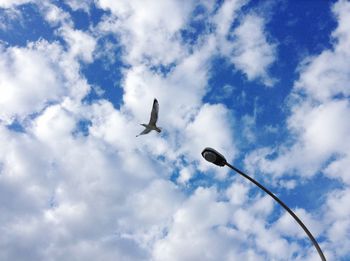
(153, 120)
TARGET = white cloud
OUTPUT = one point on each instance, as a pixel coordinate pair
(337, 222)
(34, 76)
(150, 35)
(322, 134)
(317, 121)
(13, 3)
(246, 46)
(67, 186)
(106, 195)
(225, 230)
(208, 239)
(149, 29)
(81, 44)
(226, 15)
(287, 226)
(7, 15)
(181, 118)
(320, 142)
(79, 4)
(248, 123)
(339, 169)
(54, 15)
(327, 75)
(237, 193)
(186, 174)
(217, 134)
(251, 51)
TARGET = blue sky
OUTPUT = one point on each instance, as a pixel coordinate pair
(266, 83)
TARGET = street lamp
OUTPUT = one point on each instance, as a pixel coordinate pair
(216, 158)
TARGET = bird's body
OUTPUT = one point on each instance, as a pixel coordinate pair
(153, 120)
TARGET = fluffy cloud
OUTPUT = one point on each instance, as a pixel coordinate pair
(251, 51)
(54, 15)
(317, 119)
(205, 243)
(43, 73)
(320, 141)
(13, 3)
(216, 135)
(151, 34)
(34, 76)
(225, 17)
(67, 204)
(337, 222)
(98, 191)
(76, 183)
(246, 46)
(326, 76)
(81, 44)
(79, 4)
(210, 239)
(149, 30)
(180, 118)
(322, 134)
(223, 229)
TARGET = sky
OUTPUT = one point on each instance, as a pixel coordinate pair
(266, 83)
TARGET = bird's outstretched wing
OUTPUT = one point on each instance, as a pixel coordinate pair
(154, 113)
(145, 131)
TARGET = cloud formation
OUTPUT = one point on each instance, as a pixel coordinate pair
(32, 77)
(320, 143)
(251, 51)
(76, 184)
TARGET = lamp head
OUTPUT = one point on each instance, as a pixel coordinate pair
(214, 157)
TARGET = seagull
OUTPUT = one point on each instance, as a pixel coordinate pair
(153, 120)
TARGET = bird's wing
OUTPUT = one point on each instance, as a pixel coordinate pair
(145, 131)
(154, 113)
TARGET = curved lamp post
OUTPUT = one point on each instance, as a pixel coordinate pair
(216, 158)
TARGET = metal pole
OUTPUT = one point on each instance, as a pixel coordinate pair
(313, 240)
